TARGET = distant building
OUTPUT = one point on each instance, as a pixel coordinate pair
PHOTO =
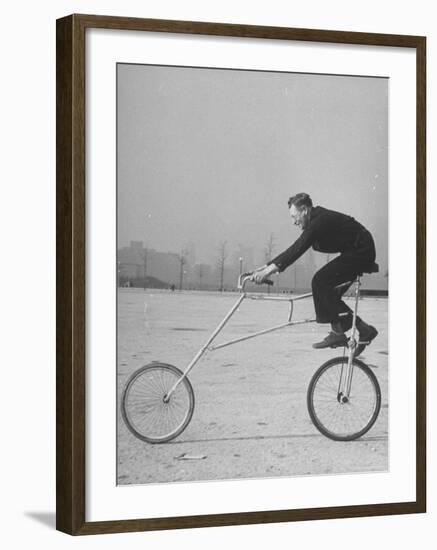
(137, 245)
(130, 261)
(136, 261)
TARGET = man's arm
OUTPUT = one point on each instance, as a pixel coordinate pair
(295, 251)
(286, 258)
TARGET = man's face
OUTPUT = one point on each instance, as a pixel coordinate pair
(300, 216)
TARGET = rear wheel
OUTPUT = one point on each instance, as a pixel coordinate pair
(335, 415)
(147, 412)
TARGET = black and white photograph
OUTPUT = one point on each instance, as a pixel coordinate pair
(218, 279)
(252, 274)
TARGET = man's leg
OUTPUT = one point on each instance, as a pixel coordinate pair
(328, 303)
(327, 298)
(330, 308)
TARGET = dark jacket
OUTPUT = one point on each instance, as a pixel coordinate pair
(328, 231)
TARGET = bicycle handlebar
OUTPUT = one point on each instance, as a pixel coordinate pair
(248, 276)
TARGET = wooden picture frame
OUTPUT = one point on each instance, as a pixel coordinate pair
(71, 262)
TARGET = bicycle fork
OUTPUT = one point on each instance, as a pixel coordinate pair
(345, 383)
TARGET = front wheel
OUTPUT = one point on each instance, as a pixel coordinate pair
(147, 411)
(340, 417)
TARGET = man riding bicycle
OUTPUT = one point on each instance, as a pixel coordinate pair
(330, 232)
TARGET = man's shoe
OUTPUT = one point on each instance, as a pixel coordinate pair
(333, 340)
(366, 335)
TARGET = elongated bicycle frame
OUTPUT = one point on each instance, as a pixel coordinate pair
(345, 382)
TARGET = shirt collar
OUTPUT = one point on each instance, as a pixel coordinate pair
(315, 211)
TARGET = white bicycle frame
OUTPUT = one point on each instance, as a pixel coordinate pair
(345, 382)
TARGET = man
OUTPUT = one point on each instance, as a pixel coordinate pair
(330, 232)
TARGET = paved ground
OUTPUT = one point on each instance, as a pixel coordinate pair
(250, 418)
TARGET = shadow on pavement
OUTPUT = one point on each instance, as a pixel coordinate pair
(287, 436)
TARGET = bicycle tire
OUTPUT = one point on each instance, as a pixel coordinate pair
(144, 410)
(321, 406)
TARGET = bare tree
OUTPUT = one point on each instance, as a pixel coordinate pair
(222, 255)
(182, 261)
(200, 273)
(268, 253)
(145, 266)
(269, 248)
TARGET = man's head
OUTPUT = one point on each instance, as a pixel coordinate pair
(300, 209)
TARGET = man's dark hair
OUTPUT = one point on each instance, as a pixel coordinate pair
(299, 200)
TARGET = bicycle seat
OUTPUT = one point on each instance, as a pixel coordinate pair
(374, 268)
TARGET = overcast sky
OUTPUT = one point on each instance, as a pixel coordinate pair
(212, 155)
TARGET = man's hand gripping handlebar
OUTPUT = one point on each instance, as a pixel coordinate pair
(249, 276)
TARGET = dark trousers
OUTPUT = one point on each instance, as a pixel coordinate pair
(328, 301)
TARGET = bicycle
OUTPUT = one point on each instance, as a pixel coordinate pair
(343, 396)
